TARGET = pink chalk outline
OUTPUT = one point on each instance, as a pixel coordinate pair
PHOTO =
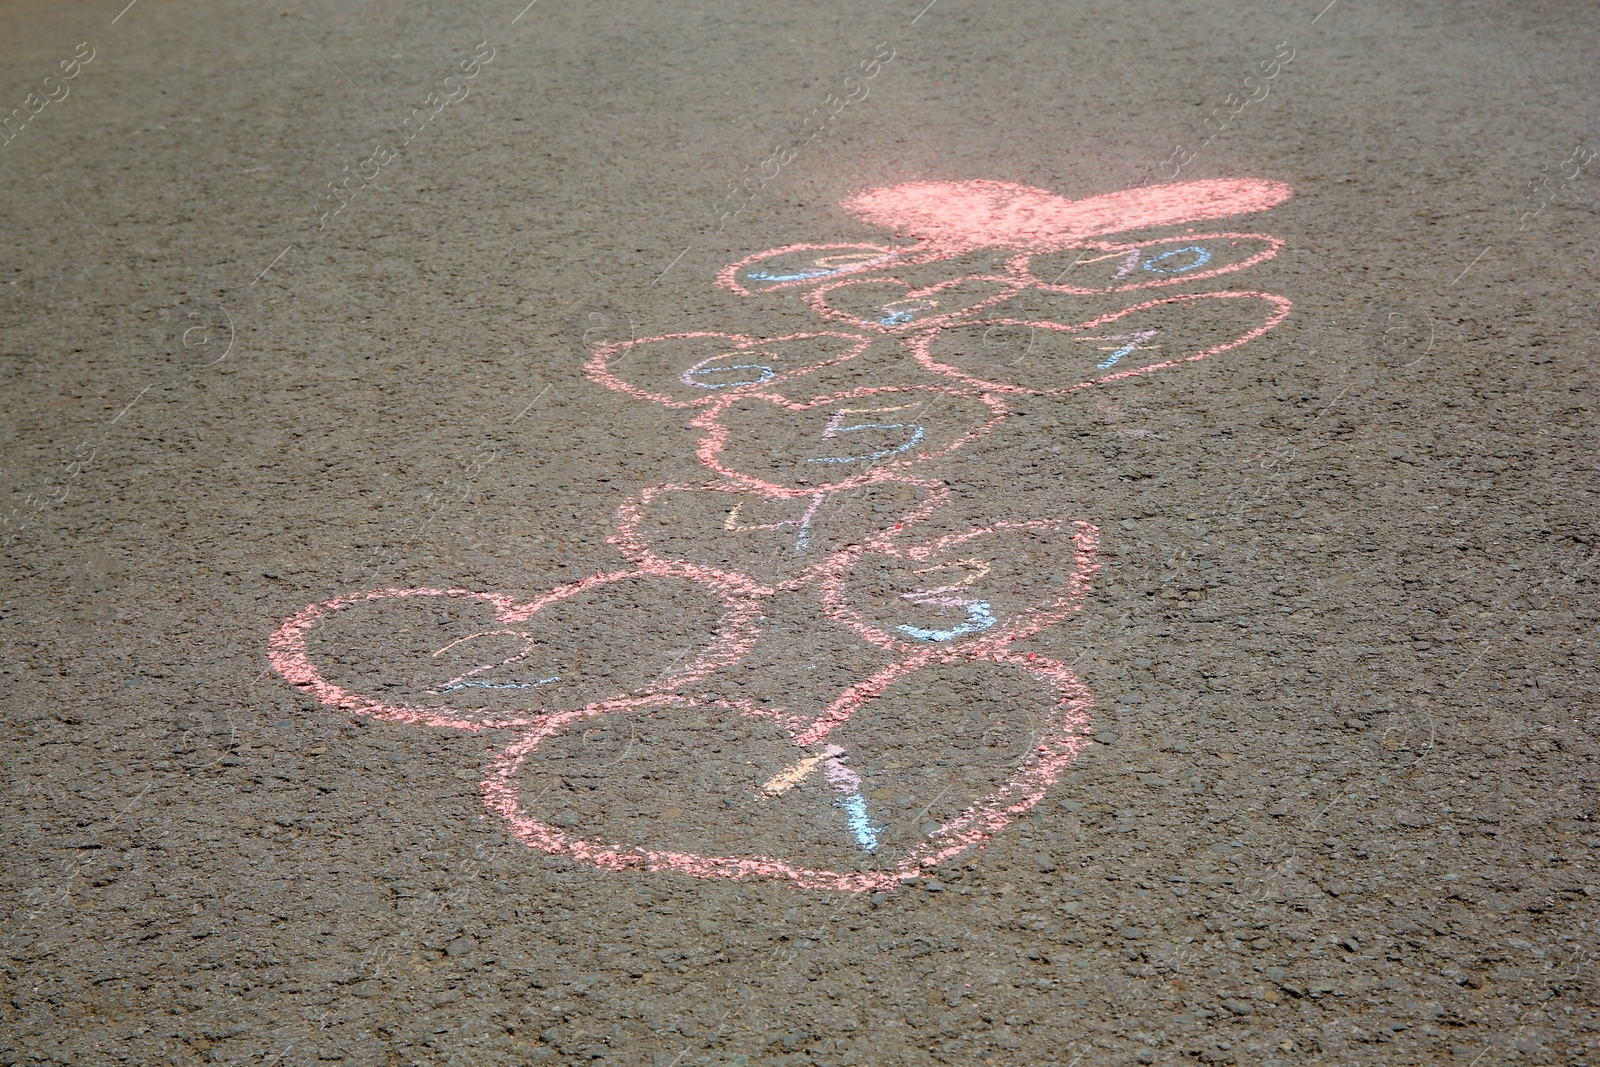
(736, 632)
(598, 368)
(632, 514)
(919, 344)
(501, 795)
(728, 277)
(1023, 264)
(715, 437)
(1063, 737)
(945, 219)
(1008, 287)
(1086, 541)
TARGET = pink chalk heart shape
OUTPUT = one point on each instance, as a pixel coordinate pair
(804, 265)
(1116, 267)
(779, 543)
(719, 789)
(484, 672)
(890, 305)
(686, 370)
(779, 447)
(1042, 357)
(995, 584)
(1005, 214)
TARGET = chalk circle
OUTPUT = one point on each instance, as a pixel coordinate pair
(735, 631)
(801, 265)
(1060, 359)
(728, 529)
(695, 369)
(894, 306)
(838, 442)
(1026, 575)
(1059, 735)
(1093, 267)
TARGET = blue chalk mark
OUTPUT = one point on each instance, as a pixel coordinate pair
(915, 439)
(1111, 360)
(763, 276)
(500, 685)
(1135, 342)
(855, 806)
(978, 620)
(803, 541)
(767, 374)
(1202, 257)
(895, 318)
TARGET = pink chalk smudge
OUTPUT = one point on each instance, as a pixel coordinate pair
(841, 777)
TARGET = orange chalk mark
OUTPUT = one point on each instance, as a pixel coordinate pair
(1081, 262)
(982, 568)
(879, 411)
(784, 781)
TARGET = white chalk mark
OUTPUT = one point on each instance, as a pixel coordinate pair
(502, 685)
(1469, 266)
(1074, 263)
(674, 263)
(274, 262)
(1513, 44)
(132, 402)
(532, 402)
(713, 45)
(313, 45)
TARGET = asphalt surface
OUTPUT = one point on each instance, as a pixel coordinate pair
(474, 592)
